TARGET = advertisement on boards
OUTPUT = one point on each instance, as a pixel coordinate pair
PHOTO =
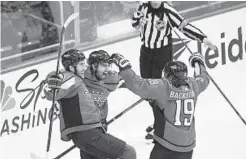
(24, 128)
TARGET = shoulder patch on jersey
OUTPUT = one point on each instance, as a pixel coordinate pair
(153, 81)
(67, 84)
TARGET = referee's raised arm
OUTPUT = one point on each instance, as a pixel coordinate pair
(138, 14)
(178, 21)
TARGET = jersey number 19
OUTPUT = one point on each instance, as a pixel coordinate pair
(187, 108)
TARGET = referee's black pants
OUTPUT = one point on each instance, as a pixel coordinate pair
(152, 61)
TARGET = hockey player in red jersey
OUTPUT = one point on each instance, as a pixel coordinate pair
(175, 96)
(80, 119)
(100, 81)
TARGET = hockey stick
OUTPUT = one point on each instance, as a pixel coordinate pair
(109, 122)
(69, 20)
(43, 20)
(124, 111)
(222, 93)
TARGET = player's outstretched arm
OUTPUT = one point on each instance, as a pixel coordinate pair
(201, 78)
(145, 88)
(138, 15)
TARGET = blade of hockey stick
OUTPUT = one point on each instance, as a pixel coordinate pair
(109, 122)
(43, 20)
(71, 18)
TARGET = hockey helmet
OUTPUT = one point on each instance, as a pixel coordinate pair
(72, 57)
(176, 71)
(97, 57)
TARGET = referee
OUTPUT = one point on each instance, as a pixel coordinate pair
(153, 20)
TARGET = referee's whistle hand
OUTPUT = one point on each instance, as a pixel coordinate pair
(209, 44)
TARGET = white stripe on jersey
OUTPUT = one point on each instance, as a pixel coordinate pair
(175, 20)
(162, 33)
(134, 21)
(147, 32)
(189, 35)
(144, 10)
(193, 29)
(154, 33)
(171, 9)
(67, 84)
(165, 41)
(158, 39)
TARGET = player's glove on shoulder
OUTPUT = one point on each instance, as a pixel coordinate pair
(54, 81)
(196, 57)
(120, 61)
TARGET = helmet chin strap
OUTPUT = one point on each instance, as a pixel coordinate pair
(74, 71)
(94, 71)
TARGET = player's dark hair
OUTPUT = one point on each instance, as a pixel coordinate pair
(71, 58)
(176, 72)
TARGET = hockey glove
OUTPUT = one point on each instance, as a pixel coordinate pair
(54, 81)
(196, 57)
(120, 61)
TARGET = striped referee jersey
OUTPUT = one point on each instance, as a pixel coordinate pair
(155, 25)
